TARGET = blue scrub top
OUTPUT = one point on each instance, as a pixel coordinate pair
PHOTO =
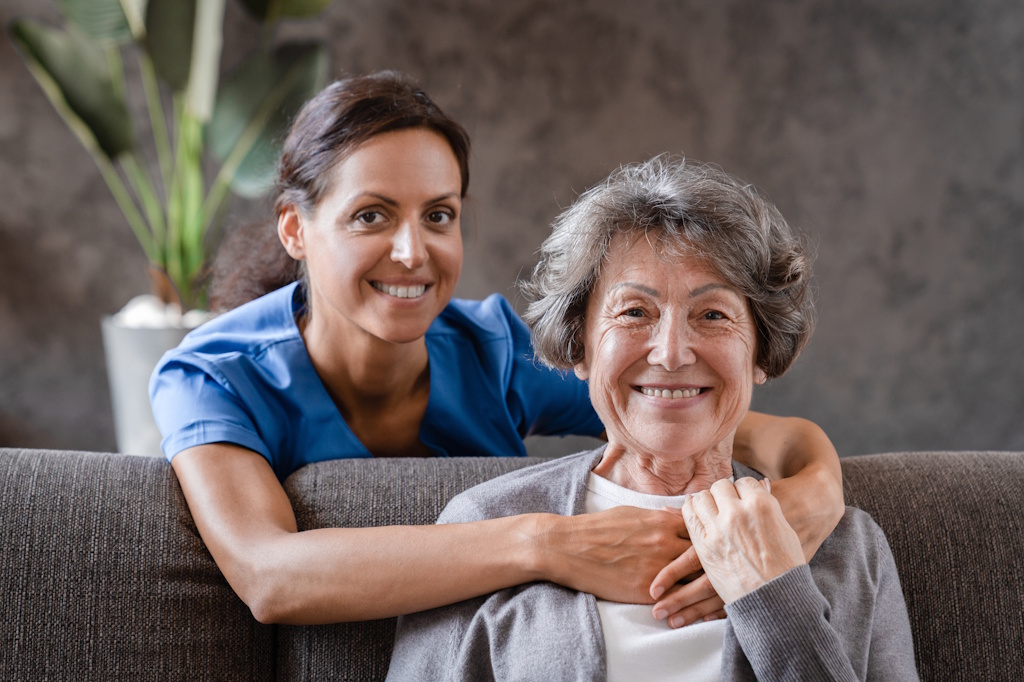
(246, 378)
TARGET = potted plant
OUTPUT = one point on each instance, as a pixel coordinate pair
(209, 134)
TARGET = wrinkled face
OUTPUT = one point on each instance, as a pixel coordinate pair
(384, 248)
(669, 352)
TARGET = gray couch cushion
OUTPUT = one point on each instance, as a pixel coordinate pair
(355, 494)
(956, 528)
(106, 577)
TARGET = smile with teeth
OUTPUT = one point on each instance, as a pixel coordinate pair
(400, 292)
(670, 393)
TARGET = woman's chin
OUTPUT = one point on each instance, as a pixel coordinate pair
(403, 336)
(403, 326)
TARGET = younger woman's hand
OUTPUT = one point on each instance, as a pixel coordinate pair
(683, 593)
(688, 601)
(614, 554)
(741, 536)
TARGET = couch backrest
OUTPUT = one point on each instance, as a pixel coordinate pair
(104, 577)
(956, 527)
(355, 494)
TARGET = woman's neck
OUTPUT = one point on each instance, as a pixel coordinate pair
(659, 474)
(363, 372)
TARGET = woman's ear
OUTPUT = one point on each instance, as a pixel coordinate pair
(581, 370)
(760, 376)
(290, 230)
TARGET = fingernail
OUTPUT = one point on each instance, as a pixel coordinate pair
(677, 622)
(659, 614)
(657, 592)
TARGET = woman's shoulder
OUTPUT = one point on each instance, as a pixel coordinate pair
(857, 527)
(552, 486)
(857, 547)
(248, 329)
(248, 350)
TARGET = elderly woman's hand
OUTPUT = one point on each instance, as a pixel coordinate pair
(741, 536)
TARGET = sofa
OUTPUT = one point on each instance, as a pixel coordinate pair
(104, 576)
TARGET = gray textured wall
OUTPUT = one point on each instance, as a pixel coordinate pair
(890, 131)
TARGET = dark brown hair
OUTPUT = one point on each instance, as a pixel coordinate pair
(252, 261)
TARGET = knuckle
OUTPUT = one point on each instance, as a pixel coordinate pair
(721, 484)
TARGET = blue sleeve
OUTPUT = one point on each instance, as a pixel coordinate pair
(193, 408)
(544, 401)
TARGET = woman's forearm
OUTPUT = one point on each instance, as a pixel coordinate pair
(804, 468)
(342, 574)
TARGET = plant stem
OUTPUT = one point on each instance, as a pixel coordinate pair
(124, 201)
(161, 136)
(185, 247)
(140, 181)
(172, 254)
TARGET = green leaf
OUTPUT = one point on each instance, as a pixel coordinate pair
(135, 14)
(76, 74)
(255, 106)
(103, 20)
(170, 25)
(207, 40)
(272, 10)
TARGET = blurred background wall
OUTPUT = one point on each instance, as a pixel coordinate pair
(890, 131)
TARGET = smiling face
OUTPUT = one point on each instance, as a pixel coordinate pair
(669, 354)
(383, 247)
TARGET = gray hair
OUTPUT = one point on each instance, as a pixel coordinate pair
(682, 208)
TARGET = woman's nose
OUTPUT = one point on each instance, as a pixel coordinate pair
(671, 346)
(407, 247)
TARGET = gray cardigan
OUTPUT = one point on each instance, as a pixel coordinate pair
(842, 618)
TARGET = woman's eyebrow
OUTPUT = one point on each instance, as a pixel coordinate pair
(644, 289)
(392, 202)
(373, 195)
(711, 286)
(639, 287)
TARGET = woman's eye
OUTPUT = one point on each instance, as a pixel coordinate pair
(440, 217)
(713, 315)
(369, 217)
(634, 312)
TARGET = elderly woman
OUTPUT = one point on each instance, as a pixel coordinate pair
(673, 289)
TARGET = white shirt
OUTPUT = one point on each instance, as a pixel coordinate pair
(637, 646)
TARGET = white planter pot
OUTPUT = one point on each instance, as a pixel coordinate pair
(132, 354)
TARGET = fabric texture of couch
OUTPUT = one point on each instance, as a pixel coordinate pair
(104, 575)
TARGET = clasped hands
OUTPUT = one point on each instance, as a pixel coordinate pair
(740, 541)
(722, 544)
